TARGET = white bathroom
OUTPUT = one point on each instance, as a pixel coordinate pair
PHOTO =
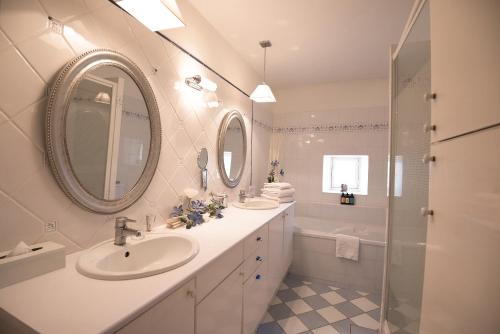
(249, 167)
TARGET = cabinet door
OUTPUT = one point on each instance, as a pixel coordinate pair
(221, 311)
(275, 253)
(288, 237)
(465, 65)
(461, 291)
(255, 299)
(174, 314)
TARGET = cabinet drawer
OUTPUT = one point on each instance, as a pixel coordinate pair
(221, 311)
(216, 271)
(255, 240)
(255, 299)
(254, 260)
(175, 312)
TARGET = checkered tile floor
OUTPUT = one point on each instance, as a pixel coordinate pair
(305, 307)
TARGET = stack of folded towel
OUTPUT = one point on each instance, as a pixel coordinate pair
(278, 191)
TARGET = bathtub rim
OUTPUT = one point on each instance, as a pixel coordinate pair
(333, 236)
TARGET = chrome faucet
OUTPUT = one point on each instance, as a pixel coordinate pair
(242, 196)
(122, 231)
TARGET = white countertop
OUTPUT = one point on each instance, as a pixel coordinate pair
(65, 301)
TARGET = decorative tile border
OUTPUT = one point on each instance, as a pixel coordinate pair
(262, 125)
(136, 115)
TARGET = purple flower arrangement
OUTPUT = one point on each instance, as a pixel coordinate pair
(194, 215)
(272, 173)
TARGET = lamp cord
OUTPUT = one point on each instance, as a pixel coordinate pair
(265, 52)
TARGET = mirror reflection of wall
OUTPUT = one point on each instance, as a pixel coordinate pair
(108, 132)
(88, 122)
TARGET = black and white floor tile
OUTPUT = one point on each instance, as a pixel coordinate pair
(317, 308)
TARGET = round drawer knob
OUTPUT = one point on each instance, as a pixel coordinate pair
(259, 238)
(259, 276)
(428, 158)
(426, 212)
(429, 128)
(430, 96)
(259, 258)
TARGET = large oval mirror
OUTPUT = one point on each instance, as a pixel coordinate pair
(103, 131)
(232, 148)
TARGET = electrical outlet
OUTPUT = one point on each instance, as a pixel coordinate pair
(50, 226)
(56, 26)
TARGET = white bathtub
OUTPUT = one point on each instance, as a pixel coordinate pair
(371, 234)
(314, 253)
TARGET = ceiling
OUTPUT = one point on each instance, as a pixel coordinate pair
(314, 41)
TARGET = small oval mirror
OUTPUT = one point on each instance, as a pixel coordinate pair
(232, 148)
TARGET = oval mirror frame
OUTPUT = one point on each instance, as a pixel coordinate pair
(55, 130)
(230, 116)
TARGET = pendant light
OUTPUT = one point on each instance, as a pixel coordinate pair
(263, 92)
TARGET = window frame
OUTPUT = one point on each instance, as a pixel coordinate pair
(362, 168)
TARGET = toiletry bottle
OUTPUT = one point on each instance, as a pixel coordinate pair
(342, 199)
(352, 200)
(346, 198)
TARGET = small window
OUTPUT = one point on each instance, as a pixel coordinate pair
(345, 169)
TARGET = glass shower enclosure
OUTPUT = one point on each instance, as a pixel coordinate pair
(408, 176)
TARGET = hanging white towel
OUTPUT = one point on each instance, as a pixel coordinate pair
(279, 199)
(278, 185)
(278, 192)
(347, 247)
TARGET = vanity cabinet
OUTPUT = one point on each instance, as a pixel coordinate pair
(465, 77)
(255, 299)
(227, 292)
(288, 229)
(275, 253)
(174, 314)
(255, 288)
(221, 311)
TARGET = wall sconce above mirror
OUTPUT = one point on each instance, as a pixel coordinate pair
(201, 83)
(103, 132)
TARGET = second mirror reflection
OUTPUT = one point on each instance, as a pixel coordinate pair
(232, 148)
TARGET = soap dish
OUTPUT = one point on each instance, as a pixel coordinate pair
(43, 258)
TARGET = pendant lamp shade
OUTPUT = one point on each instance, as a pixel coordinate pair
(262, 93)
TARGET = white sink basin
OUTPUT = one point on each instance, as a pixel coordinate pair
(257, 204)
(154, 254)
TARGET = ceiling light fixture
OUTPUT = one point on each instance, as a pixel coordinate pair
(262, 92)
(154, 14)
(199, 83)
(102, 97)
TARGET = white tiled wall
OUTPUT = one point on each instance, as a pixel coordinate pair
(31, 54)
(301, 155)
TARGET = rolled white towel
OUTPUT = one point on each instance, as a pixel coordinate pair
(279, 199)
(278, 192)
(278, 185)
(347, 246)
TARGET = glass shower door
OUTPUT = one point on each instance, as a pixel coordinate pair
(409, 178)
